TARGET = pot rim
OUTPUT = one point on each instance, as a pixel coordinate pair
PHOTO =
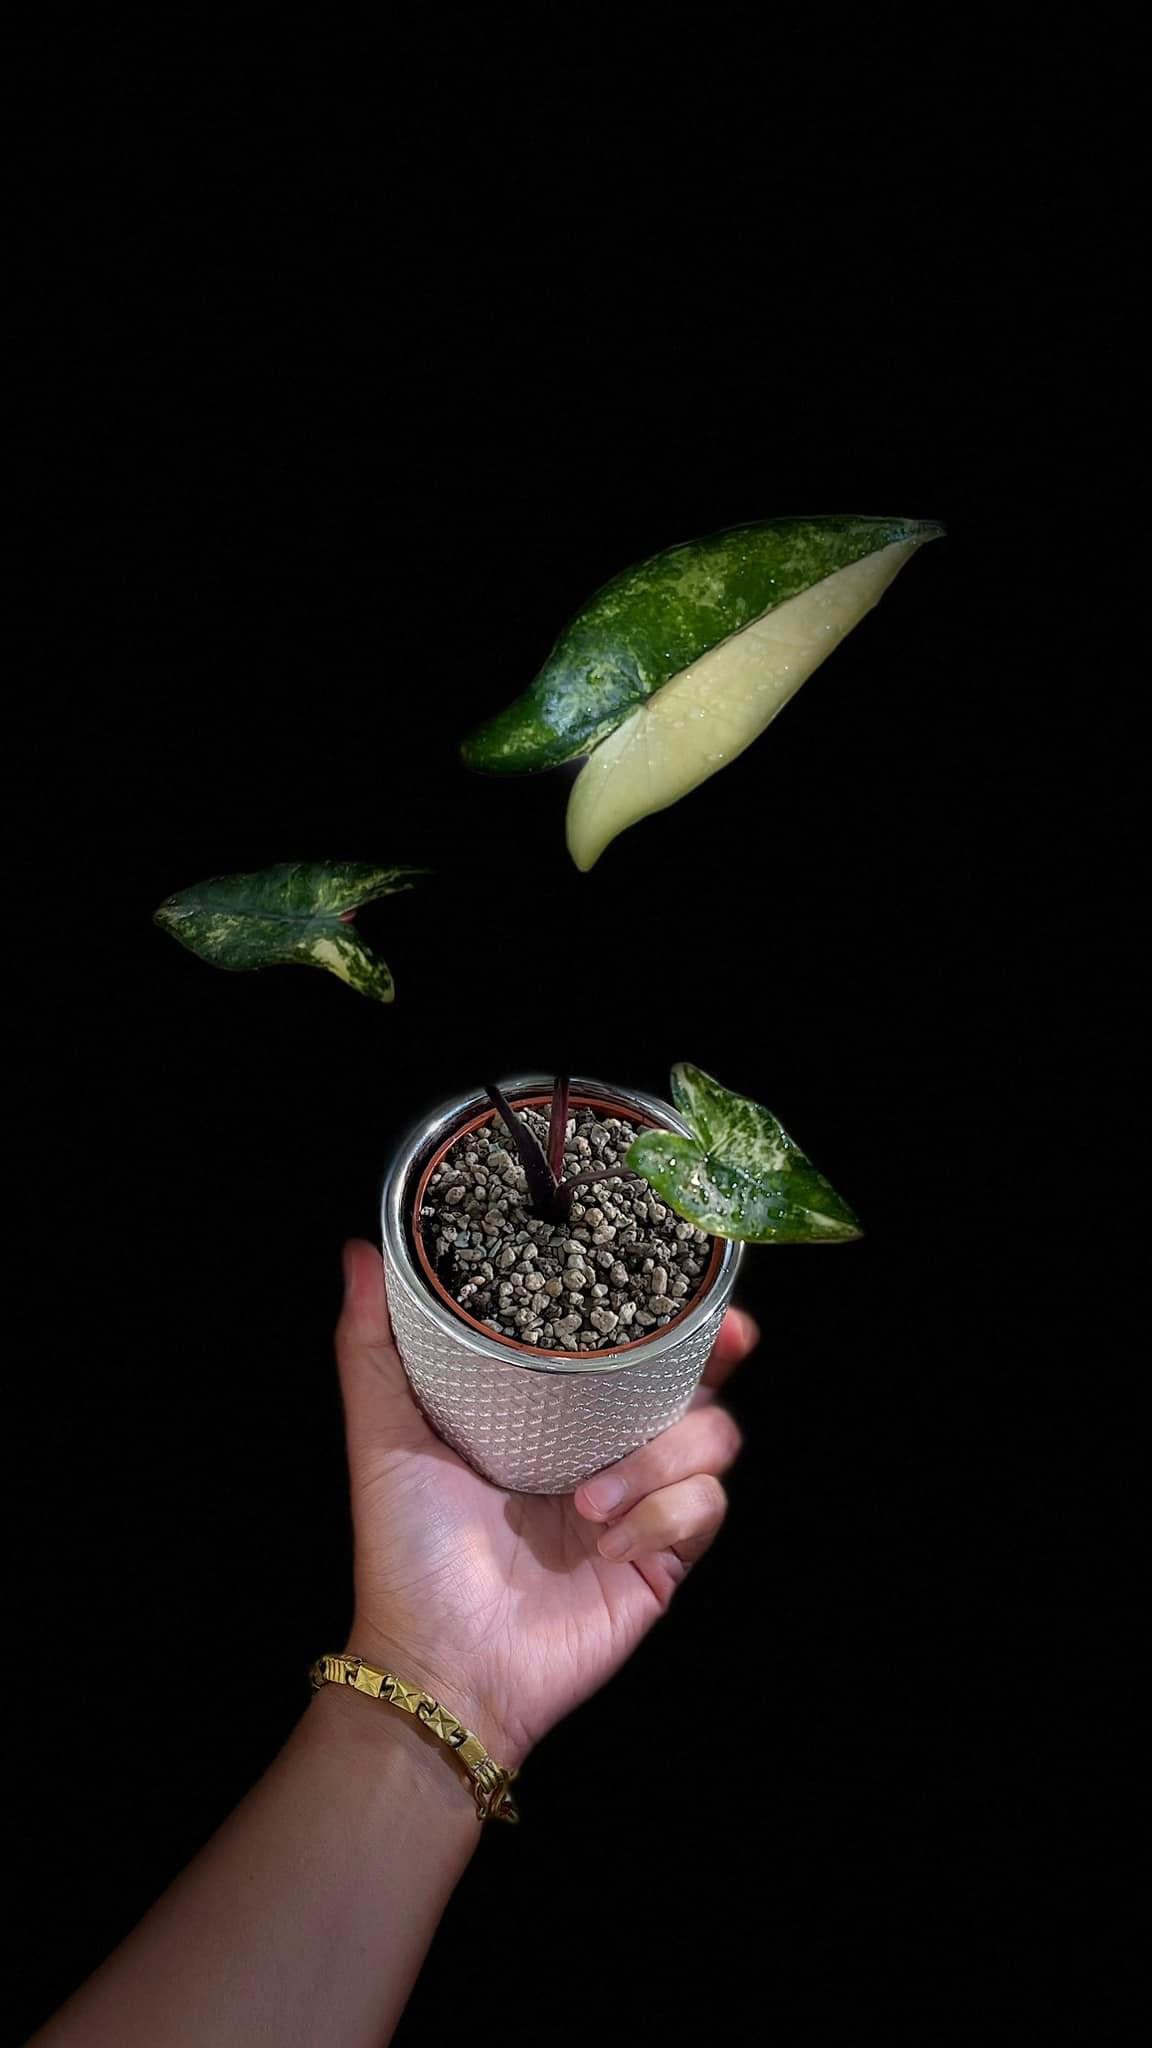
(418, 1150)
(577, 1099)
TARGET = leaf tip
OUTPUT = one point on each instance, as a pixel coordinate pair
(584, 854)
(687, 1080)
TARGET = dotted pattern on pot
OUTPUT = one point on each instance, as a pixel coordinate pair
(536, 1431)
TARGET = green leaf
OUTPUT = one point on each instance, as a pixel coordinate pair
(741, 1175)
(658, 618)
(299, 911)
(716, 707)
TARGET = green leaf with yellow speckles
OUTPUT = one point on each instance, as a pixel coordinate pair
(676, 666)
(741, 1175)
(298, 912)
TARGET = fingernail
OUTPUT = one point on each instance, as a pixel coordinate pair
(615, 1542)
(605, 1492)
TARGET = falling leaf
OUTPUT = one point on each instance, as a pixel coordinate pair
(298, 911)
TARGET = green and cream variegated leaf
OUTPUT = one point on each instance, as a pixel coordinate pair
(299, 912)
(670, 670)
(708, 714)
(741, 1175)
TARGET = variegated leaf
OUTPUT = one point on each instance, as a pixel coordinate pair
(297, 912)
(741, 1175)
(673, 668)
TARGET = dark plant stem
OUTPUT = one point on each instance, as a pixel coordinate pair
(550, 1196)
(557, 1127)
(537, 1172)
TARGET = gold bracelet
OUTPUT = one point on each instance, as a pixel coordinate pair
(490, 1781)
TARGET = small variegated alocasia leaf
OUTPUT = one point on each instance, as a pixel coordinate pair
(741, 1175)
(298, 911)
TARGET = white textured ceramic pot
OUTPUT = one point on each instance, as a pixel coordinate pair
(531, 1420)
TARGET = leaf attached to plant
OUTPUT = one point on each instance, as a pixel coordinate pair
(298, 911)
(741, 1175)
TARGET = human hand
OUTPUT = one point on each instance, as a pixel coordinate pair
(511, 1608)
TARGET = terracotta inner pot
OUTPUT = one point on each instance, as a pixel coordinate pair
(489, 1115)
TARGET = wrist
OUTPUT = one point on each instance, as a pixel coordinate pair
(379, 1749)
(449, 1687)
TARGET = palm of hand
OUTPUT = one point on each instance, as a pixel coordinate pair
(501, 1596)
(498, 1603)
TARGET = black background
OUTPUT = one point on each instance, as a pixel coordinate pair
(369, 364)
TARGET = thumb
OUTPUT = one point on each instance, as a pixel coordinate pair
(378, 1406)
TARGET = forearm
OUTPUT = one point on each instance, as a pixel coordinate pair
(307, 1917)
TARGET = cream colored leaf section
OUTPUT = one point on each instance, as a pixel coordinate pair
(715, 708)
